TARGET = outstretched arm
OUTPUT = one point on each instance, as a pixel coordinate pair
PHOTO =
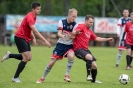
(39, 35)
(100, 39)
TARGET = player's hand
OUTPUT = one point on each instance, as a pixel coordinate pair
(63, 37)
(47, 44)
(78, 32)
(118, 35)
(34, 41)
(122, 42)
(110, 39)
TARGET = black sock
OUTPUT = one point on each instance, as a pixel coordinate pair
(20, 68)
(128, 60)
(88, 66)
(16, 56)
(94, 74)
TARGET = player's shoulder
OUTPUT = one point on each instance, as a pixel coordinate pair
(63, 19)
(121, 18)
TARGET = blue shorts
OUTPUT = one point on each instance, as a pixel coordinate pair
(61, 50)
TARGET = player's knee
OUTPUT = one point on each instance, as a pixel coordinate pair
(88, 57)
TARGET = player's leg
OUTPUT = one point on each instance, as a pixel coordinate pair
(47, 70)
(121, 48)
(87, 57)
(55, 56)
(70, 56)
(94, 72)
(131, 55)
(128, 56)
(19, 44)
(118, 57)
(25, 50)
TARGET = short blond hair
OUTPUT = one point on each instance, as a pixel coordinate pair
(72, 10)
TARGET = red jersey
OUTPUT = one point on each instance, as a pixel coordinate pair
(129, 33)
(82, 40)
(24, 31)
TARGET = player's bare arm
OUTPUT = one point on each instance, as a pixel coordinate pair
(75, 32)
(60, 35)
(100, 39)
(33, 38)
(39, 35)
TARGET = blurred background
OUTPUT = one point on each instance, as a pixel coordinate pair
(106, 12)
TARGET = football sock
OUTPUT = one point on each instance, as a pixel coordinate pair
(88, 65)
(20, 68)
(118, 57)
(128, 60)
(94, 74)
(46, 71)
(68, 67)
(88, 71)
(16, 56)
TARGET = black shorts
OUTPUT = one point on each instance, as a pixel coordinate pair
(81, 53)
(129, 46)
(22, 45)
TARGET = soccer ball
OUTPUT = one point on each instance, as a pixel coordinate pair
(124, 79)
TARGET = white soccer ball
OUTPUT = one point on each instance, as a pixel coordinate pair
(124, 79)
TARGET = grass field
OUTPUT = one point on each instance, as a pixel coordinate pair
(107, 72)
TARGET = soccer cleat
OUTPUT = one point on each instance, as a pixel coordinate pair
(128, 68)
(6, 56)
(117, 65)
(41, 80)
(89, 78)
(96, 82)
(67, 78)
(16, 80)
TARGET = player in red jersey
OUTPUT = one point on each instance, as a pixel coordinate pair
(83, 34)
(22, 38)
(129, 41)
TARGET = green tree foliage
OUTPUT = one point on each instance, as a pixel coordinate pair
(60, 7)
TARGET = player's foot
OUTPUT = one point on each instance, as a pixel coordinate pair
(16, 80)
(96, 82)
(117, 65)
(131, 66)
(41, 80)
(89, 78)
(128, 68)
(6, 56)
(67, 78)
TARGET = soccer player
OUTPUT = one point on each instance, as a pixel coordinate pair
(129, 41)
(22, 38)
(120, 29)
(64, 46)
(83, 34)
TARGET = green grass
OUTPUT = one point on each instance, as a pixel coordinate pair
(107, 73)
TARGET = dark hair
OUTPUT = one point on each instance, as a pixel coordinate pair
(89, 16)
(35, 4)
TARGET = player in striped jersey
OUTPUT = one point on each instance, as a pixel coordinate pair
(64, 46)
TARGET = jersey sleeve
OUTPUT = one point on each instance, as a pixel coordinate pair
(93, 36)
(126, 27)
(60, 25)
(78, 27)
(119, 24)
(30, 21)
